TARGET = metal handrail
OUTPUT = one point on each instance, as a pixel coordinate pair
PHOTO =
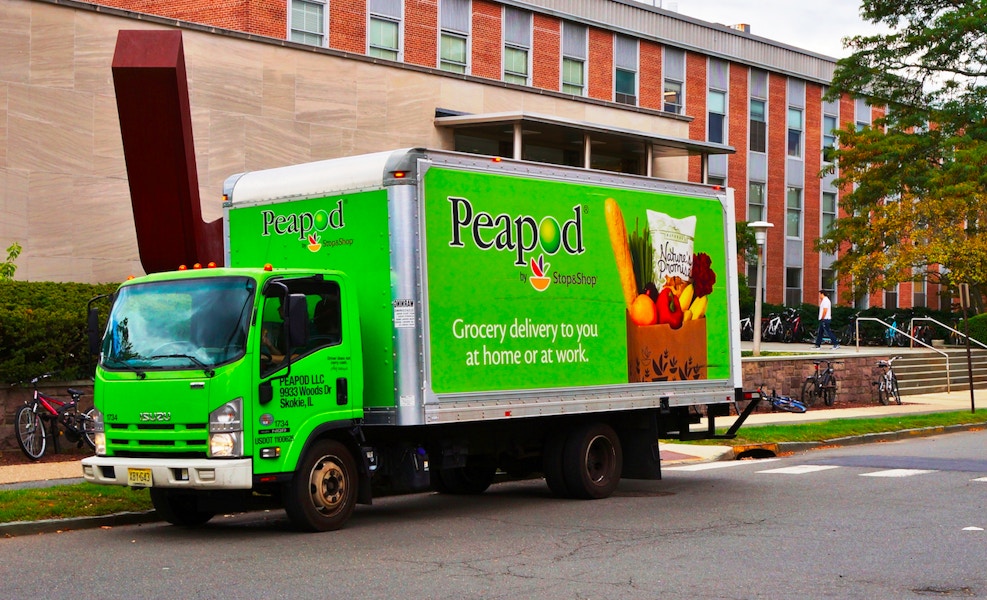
(944, 326)
(949, 377)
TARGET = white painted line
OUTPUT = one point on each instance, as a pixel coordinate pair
(897, 473)
(979, 479)
(973, 529)
(716, 465)
(800, 469)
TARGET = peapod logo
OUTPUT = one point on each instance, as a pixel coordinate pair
(307, 225)
(520, 234)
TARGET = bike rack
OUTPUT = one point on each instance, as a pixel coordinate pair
(909, 336)
(944, 326)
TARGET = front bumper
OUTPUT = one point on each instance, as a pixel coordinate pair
(193, 474)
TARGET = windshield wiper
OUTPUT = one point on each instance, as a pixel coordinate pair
(206, 368)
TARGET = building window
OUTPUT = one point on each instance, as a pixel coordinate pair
(625, 80)
(716, 105)
(574, 52)
(795, 132)
(454, 18)
(755, 202)
(308, 22)
(828, 284)
(673, 68)
(793, 217)
(828, 211)
(829, 137)
(517, 45)
(383, 38)
(891, 299)
(919, 289)
(793, 286)
(758, 126)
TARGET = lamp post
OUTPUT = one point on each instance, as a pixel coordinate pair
(760, 236)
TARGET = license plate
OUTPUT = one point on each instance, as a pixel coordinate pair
(139, 477)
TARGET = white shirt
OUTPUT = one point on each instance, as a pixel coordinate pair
(824, 307)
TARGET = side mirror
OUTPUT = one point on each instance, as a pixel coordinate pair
(92, 330)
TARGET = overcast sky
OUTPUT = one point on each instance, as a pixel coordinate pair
(816, 26)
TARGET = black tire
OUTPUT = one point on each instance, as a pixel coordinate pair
(464, 481)
(788, 336)
(88, 426)
(809, 392)
(30, 432)
(829, 391)
(179, 507)
(882, 394)
(552, 464)
(592, 461)
(322, 494)
(894, 392)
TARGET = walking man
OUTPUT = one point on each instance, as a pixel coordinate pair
(825, 317)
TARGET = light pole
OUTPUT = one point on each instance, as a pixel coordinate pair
(760, 236)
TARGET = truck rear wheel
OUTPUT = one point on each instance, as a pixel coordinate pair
(592, 461)
(322, 495)
(179, 507)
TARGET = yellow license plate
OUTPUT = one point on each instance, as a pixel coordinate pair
(139, 477)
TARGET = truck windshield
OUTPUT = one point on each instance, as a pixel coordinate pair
(185, 324)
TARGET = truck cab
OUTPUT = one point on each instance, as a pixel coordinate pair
(194, 365)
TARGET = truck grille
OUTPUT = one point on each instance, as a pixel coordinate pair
(150, 440)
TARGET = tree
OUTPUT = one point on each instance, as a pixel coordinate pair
(7, 267)
(915, 181)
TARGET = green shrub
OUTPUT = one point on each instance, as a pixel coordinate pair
(43, 329)
(978, 328)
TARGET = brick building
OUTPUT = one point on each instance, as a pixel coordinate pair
(609, 84)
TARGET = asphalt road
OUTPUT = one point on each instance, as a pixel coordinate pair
(896, 520)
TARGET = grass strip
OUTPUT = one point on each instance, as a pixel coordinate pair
(838, 428)
(68, 501)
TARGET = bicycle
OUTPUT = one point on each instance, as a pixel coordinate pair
(848, 337)
(42, 409)
(794, 330)
(821, 384)
(772, 328)
(785, 403)
(746, 329)
(892, 336)
(887, 382)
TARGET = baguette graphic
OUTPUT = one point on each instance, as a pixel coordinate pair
(621, 251)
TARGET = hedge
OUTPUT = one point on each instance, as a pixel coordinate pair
(43, 329)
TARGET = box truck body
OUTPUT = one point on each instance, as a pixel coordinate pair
(417, 318)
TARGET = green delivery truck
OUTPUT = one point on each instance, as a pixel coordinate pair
(421, 319)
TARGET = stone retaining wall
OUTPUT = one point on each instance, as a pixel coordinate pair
(783, 374)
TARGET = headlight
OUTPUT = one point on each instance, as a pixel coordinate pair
(99, 433)
(226, 430)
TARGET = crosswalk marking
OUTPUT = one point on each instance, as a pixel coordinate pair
(715, 465)
(800, 469)
(897, 473)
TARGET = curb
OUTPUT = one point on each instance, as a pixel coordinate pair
(773, 449)
(19, 528)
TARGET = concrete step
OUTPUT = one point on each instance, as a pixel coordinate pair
(926, 372)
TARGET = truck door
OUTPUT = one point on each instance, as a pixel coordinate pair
(308, 380)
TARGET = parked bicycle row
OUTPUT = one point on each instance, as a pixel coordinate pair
(793, 324)
(820, 386)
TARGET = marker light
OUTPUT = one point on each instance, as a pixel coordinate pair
(497, 159)
(268, 267)
(400, 174)
(197, 266)
(182, 268)
(211, 265)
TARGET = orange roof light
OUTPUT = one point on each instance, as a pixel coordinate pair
(196, 266)
(399, 174)
(211, 265)
(497, 159)
(268, 267)
(182, 268)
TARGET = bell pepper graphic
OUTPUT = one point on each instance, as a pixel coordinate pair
(669, 310)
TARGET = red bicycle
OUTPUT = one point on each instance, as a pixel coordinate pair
(31, 419)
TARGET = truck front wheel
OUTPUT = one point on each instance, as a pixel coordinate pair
(178, 507)
(323, 492)
(592, 461)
